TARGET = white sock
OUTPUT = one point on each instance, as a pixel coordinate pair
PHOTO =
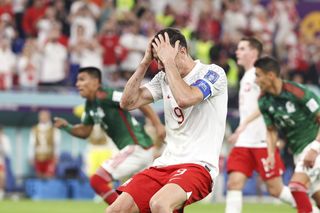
(286, 196)
(234, 201)
(1, 194)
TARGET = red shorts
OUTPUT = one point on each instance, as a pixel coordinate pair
(45, 168)
(246, 160)
(190, 177)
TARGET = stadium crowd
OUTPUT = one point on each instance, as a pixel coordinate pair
(45, 42)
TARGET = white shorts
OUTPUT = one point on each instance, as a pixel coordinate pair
(130, 160)
(313, 173)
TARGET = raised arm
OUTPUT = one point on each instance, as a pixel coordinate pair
(184, 94)
(77, 130)
(134, 95)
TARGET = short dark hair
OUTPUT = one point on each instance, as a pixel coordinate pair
(254, 44)
(268, 64)
(174, 35)
(92, 71)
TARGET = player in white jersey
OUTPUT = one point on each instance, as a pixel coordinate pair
(250, 150)
(195, 107)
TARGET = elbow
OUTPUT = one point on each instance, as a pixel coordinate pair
(183, 103)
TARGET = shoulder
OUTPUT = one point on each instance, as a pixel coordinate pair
(212, 72)
(103, 93)
(294, 88)
(263, 97)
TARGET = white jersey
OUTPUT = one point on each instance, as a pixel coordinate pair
(195, 134)
(255, 133)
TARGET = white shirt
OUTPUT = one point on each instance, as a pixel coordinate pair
(53, 63)
(255, 133)
(195, 134)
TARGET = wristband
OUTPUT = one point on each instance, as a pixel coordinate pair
(315, 145)
(67, 128)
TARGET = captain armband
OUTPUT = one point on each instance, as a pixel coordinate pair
(315, 145)
(204, 87)
(67, 128)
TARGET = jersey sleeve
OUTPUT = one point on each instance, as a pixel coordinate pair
(212, 83)
(311, 102)
(154, 86)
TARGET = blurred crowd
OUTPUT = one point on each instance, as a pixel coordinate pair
(43, 42)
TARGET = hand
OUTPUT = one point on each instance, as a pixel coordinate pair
(147, 58)
(234, 137)
(60, 122)
(163, 48)
(310, 158)
(270, 161)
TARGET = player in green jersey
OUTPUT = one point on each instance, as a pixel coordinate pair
(293, 110)
(102, 107)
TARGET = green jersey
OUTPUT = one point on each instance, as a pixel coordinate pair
(293, 113)
(121, 127)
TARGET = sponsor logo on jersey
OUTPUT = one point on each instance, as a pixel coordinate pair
(212, 76)
(290, 107)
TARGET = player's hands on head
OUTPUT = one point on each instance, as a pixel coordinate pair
(60, 122)
(148, 57)
(165, 52)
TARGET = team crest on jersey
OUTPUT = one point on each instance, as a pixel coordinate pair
(212, 76)
(290, 107)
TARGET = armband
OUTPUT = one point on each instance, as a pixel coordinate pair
(204, 87)
(67, 128)
(315, 145)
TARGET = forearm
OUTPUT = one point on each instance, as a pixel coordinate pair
(271, 141)
(252, 117)
(182, 92)
(78, 130)
(132, 90)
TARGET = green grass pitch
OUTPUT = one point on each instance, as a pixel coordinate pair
(28, 206)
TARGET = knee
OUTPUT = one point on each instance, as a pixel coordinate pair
(157, 205)
(274, 191)
(113, 209)
(234, 184)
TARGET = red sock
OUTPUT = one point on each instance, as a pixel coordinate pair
(102, 187)
(299, 193)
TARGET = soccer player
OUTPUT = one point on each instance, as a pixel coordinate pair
(250, 151)
(295, 111)
(102, 107)
(195, 106)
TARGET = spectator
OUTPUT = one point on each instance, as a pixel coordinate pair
(7, 61)
(28, 65)
(44, 146)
